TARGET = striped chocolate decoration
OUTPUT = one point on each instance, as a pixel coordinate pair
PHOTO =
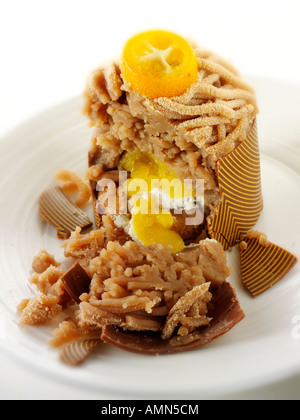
(57, 210)
(263, 266)
(77, 352)
(239, 181)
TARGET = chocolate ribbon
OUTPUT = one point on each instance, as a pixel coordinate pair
(57, 210)
(262, 266)
(239, 179)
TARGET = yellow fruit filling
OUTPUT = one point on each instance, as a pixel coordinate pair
(150, 230)
(151, 223)
(148, 173)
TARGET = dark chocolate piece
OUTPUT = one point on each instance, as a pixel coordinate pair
(76, 281)
(225, 311)
(263, 265)
(57, 210)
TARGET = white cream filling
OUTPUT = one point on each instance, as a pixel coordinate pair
(168, 203)
(123, 222)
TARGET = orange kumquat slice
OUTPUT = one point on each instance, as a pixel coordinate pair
(159, 63)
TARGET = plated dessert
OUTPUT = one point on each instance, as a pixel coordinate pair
(205, 131)
(173, 177)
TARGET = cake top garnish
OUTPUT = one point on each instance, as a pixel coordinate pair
(159, 63)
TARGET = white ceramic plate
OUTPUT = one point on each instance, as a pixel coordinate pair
(262, 349)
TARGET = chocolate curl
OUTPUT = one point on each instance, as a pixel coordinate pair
(57, 210)
(225, 312)
(239, 181)
(77, 352)
(263, 265)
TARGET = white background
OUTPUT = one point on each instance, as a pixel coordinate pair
(48, 49)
